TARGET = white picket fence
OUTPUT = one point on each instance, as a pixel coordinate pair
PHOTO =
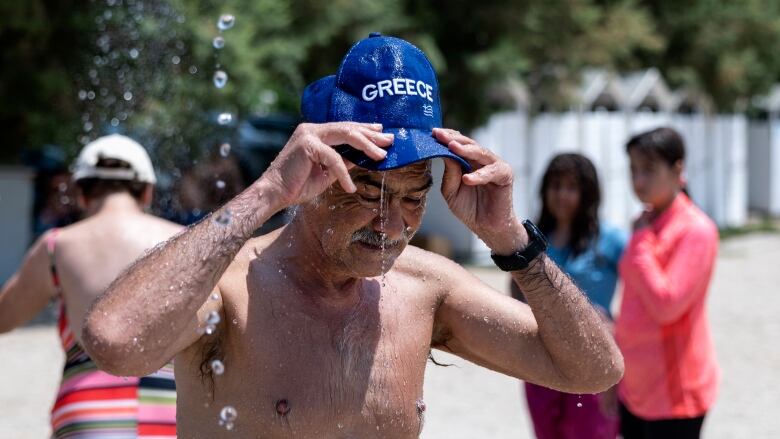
(717, 163)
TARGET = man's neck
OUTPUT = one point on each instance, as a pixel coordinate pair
(314, 270)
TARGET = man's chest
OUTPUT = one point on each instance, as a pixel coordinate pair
(363, 369)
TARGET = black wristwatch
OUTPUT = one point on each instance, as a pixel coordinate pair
(537, 244)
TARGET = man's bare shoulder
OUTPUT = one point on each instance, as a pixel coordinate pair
(415, 261)
(249, 255)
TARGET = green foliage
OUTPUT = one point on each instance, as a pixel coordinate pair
(55, 52)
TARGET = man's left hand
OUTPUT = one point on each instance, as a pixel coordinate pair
(481, 199)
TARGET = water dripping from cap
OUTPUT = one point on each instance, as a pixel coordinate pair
(226, 21)
(220, 78)
(224, 118)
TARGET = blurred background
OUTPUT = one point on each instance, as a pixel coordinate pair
(527, 79)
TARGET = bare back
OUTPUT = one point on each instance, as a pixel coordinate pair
(90, 254)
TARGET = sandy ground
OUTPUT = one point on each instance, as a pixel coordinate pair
(466, 401)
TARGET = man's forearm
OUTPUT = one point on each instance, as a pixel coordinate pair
(573, 333)
(159, 295)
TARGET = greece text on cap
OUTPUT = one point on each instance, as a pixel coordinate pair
(397, 86)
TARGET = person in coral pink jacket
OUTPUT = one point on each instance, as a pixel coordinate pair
(671, 377)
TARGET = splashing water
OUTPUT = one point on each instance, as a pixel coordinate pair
(213, 318)
(218, 42)
(382, 212)
(224, 118)
(223, 217)
(217, 367)
(220, 78)
(227, 417)
(225, 22)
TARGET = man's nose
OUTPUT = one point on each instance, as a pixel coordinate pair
(390, 220)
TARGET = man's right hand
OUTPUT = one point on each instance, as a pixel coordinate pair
(308, 164)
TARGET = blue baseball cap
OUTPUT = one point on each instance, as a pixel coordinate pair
(389, 81)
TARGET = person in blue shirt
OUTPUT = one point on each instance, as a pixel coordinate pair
(588, 251)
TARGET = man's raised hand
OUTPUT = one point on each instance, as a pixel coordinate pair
(308, 164)
(481, 199)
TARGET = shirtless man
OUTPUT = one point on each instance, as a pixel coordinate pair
(325, 325)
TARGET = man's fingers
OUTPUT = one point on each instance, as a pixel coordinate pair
(450, 181)
(496, 173)
(334, 164)
(362, 137)
(379, 138)
(447, 135)
(370, 146)
(472, 152)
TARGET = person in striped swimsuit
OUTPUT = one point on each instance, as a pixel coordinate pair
(74, 265)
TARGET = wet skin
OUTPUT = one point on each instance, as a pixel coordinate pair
(315, 342)
(365, 377)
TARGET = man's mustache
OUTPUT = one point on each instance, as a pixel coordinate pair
(374, 238)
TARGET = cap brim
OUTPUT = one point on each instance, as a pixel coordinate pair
(409, 146)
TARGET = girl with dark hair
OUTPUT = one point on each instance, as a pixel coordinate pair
(589, 252)
(671, 375)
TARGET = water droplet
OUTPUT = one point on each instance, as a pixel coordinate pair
(134, 53)
(82, 94)
(128, 95)
(217, 367)
(227, 416)
(340, 425)
(223, 217)
(486, 319)
(90, 95)
(224, 149)
(224, 118)
(218, 42)
(332, 207)
(212, 318)
(579, 404)
(220, 184)
(87, 126)
(114, 122)
(226, 21)
(193, 70)
(220, 78)
(175, 60)
(329, 231)
(214, 296)
(210, 329)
